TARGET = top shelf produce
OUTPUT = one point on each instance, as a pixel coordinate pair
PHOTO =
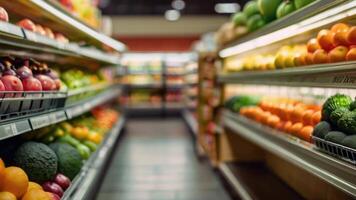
(315, 16)
(46, 13)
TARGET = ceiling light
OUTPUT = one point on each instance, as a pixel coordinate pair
(178, 4)
(172, 15)
(227, 7)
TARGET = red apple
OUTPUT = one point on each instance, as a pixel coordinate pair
(3, 15)
(46, 82)
(2, 89)
(27, 24)
(58, 84)
(31, 84)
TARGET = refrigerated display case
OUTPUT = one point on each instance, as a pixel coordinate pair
(280, 84)
(56, 70)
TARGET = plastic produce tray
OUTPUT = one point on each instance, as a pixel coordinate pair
(15, 104)
(336, 150)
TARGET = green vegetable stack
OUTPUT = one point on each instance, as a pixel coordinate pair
(339, 121)
(235, 103)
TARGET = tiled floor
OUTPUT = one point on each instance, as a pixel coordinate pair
(156, 161)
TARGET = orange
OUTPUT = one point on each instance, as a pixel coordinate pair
(313, 45)
(325, 39)
(287, 126)
(308, 57)
(15, 181)
(2, 169)
(296, 128)
(33, 185)
(36, 195)
(280, 126)
(305, 133)
(340, 38)
(339, 27)
(316, 117)
(95, 137)
(320, 56)
(351, 36)
(307, 117)
(297, 114)
(273, 121)
(7, 196)
(351, 54)
(338, 54)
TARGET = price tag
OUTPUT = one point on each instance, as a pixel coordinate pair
(57, 117)
(7, 130)
(31, 36)
(23, 126)
(40, 121)
(4, 27)
(75, 111)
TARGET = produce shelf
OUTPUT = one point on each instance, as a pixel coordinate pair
(48, 14)
(19, 42)
(333, 171)
(334, 75)
(191, 121)
(314, 16)
(84, 184)
(12, 127)
(254, 181)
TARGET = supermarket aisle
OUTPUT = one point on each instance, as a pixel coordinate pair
(156, 161)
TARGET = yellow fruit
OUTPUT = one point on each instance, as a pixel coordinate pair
(279, 61)
(15, 180)
(33, 185)
(36, 194)
(95, 137)
(7, 196)
(289, 61)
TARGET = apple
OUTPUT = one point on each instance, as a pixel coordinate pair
(2, 88)
(3, 15)
(9, 72)
(58, 83)
(49, 32)
(39, 29)
(31, 84)
(320, 56)
(46, 82)
(338, 54)
(351, 54)
(27, 24)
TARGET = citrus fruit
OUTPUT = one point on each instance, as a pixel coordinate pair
(33, 185)
(7, 196)
(36, 194)
(15, 181)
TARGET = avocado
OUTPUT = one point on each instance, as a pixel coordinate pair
(321, 129)
(37, 160)
(69, 159)
(335, 136)
(349, 141)
(268, 8)
(255, 22)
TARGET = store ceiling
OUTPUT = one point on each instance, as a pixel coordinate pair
(159, 7)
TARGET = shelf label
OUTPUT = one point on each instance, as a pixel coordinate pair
(57, 117)
(75, 111)
(8, 130)
(31, 36)
(4, 27)
(40, 121)
(23, 126)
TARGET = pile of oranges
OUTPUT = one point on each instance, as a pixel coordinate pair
(335, 45)
(14, 184)
(286, 115)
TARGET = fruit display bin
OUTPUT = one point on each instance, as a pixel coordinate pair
(76, 95)
(15, 104)
(336, 150)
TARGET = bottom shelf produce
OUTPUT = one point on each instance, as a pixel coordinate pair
(56, 161)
